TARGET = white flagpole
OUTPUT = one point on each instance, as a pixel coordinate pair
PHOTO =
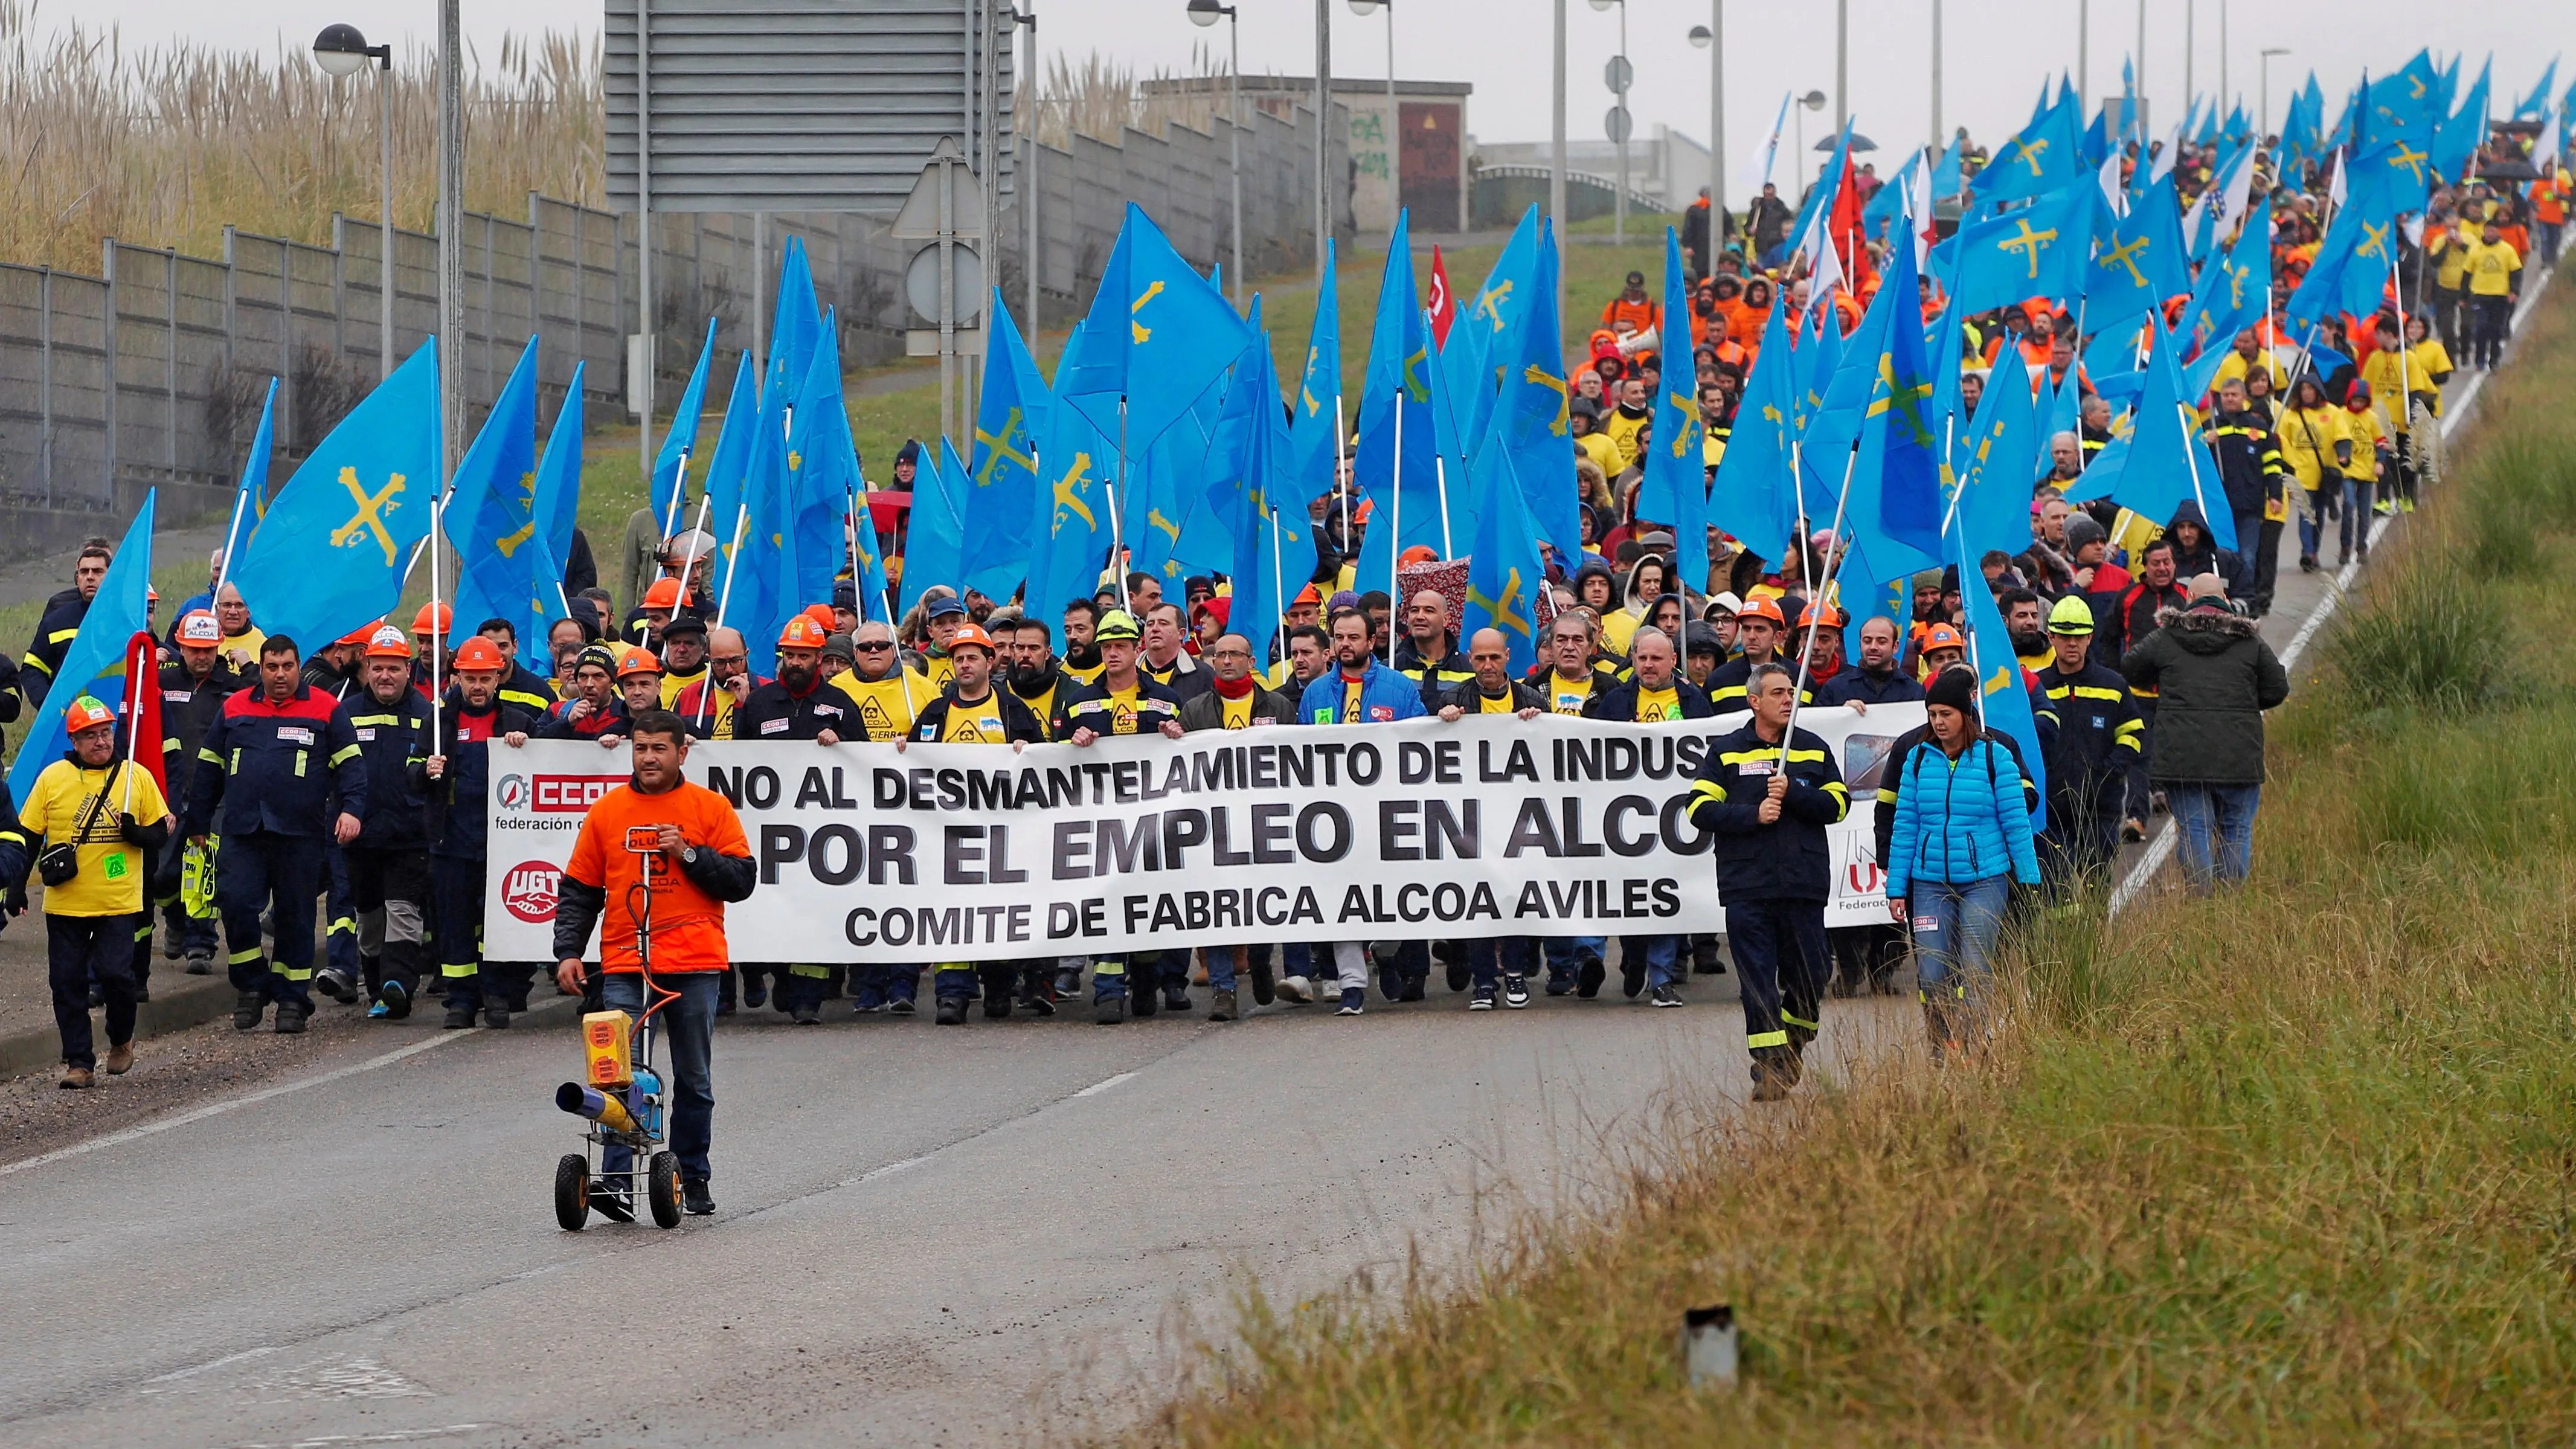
(733, 556)
(1395, 543)
(1340, 461)
(1117, 525)
(1816, 602)
(437, 687)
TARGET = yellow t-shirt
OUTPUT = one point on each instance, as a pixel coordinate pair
(2367, 432)
(1351, 699)
(888, 706)
(937, 669)
(2426, 358)
(1657, 705)
(1617, 628)
(1568, 696)
(1495, 704)
(1235, 714)
(2491, 267)
(1122, 710)
(110, 882)
(979, 723)
(1084, 675)
(2307, 437)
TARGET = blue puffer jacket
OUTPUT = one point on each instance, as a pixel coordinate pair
(1959, 822)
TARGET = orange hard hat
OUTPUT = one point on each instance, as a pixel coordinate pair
(802, 633)
(86, 713)
(479, 653)
(637, 660)
(1762, 608)
(1942, 636)
(1824, 614)
(971, 634)
(664, 594)
(822, 614)
(421, 622)
(199, 629)
(359, 635)
(388, 643)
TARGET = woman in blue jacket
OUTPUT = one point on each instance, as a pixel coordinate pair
(1962, 836)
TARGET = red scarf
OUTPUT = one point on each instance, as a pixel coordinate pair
(1240, 689)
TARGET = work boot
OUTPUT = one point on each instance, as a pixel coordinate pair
(459, 1017)
(77, 1079)
(120, 1058)
(806, 1016)
(1108, 1011)
(1141, 1004)
(1770, 1084)
(1632, 976)
(496, 1015)
(997, 1006)
(1265, 987)
(248, 1006)
(1459, 974)
(200, 964)
(952, 1011)
(696, 1199)
(338, 987)
(1588, 983)
(1176, 999)
(755, 990)
(394, 1000)
(1221, 1007)
(290, 1019)
(1705, 960)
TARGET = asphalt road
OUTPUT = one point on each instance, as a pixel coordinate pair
(996, 1233)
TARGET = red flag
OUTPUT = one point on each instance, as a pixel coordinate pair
(1444, 308)
(1843, 228)
(140, 710)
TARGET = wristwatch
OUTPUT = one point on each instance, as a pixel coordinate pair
(688, 855)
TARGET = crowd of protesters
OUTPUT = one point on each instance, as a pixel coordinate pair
(350, 774)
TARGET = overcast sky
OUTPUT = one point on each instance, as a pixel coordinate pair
(1996, 49)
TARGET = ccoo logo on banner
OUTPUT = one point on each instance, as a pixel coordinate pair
(1488, 827)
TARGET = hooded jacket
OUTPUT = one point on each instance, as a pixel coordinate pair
(2214, 676)
(2207, 557)
(1961, 820)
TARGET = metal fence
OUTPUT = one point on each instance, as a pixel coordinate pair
(151, 373)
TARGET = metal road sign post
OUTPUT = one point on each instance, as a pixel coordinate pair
(945, 281)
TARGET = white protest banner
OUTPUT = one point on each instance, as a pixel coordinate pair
(1491, 826)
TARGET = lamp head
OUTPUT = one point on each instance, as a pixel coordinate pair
(1365, 7)
(1204, 13)
(1605, 6)
(1813, 100)
(1700, 37)
(340, 50)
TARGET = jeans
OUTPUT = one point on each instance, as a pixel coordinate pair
(1659, 955)
(1491, 956)
(1566, 956)
(2219, 816)
(78, 948)
(2353, 530)
(2312, 524)
(2493, 318)
(687, 1028)
(1954, 929)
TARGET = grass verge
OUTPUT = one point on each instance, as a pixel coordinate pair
(2293, 1165)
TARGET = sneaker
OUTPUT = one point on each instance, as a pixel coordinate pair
(77, 1079)
(2383, 508)
(290, 1019)
(1588, 983)
(1412, 989)
(393, 1003)
(1221, 1006)
(1036, 1004)
(2405, 505)
(755, 991)
(200, 964)
(2308, 563)
(1459, 974)
(247, 1009)
(1109, 1011)
(1353, 1002)
(142, 993)
(1265, 989)
(997, 1006)
(120, 1059)
(2133, 829)
(336, 985)
(1515, 992)
(1559, 985)
(459, 1018)
(696, 1199)
(806, 1016)
(611, 1203)
(1666, 996)
(377, 1012)
(1632, 978)
(901, 1006)
(952, 1011)
(1483, 1000)
(1297, 990)
(496, 1015)
(1068, 982)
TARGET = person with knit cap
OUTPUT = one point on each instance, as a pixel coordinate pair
(1960, 837)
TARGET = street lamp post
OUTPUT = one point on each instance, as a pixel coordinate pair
(1324, 132)
(2224, 98)
(1027, 19)
(341, 51)
(1620, 73)
(1556, 162)
(1842, 65)
(1713, 37)
(451, 232)
(1394, 116)
(1208, 12)
(1937, 142)
(2263, 126)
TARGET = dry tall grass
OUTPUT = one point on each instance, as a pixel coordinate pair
(165, 145)
(2290, 1166)
(1099, 98)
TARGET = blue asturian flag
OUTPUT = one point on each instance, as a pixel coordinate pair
(2047, 156)
(558, 503)
(1675, 487)
(1752, 498)
(831, 518)
(1504, 574)
(2005, 694)
(94, 662)
(1158, 336)
(1314, 449)
(2138, 259)
(999, 502)
(724, 504)
(490, 514)
(670, 469)
(934, 549)
(331, 551)
(2039, 250)
(797, 327)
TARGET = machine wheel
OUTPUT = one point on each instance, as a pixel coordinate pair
(572, 1191)
(665, 1190)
